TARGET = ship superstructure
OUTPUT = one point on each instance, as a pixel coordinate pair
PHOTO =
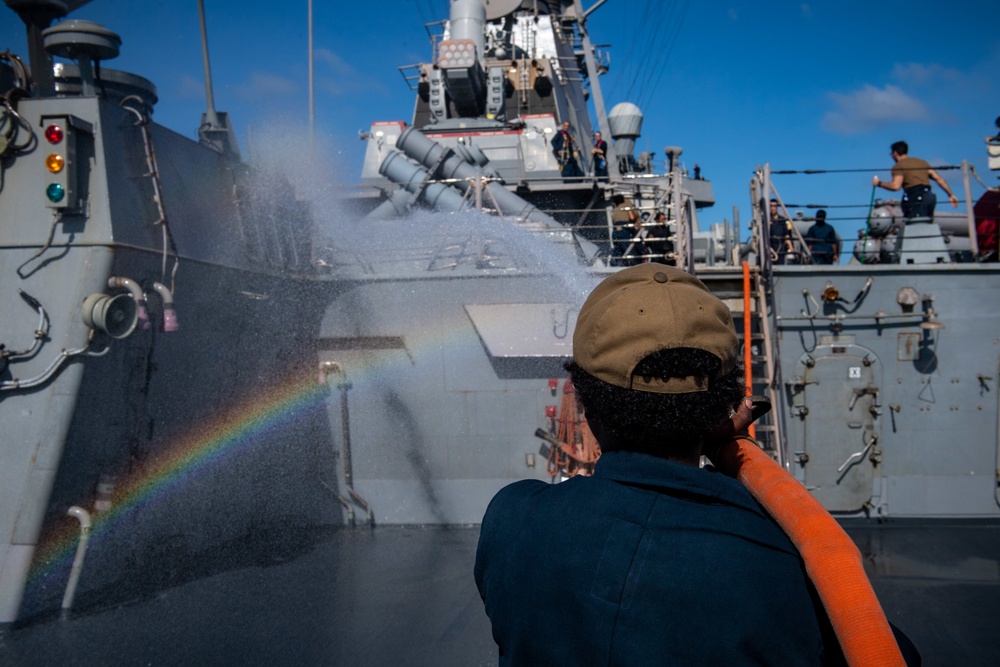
(852, 355)
(502, 81)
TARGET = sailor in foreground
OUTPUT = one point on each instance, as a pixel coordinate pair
(653, 559)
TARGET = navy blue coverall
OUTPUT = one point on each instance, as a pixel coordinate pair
(648, 562)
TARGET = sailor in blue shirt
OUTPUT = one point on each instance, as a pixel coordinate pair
(653, 559)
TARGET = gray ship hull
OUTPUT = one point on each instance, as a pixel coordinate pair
(153, 434)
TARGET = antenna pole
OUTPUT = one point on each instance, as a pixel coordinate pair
(312, 95)
(212, 120)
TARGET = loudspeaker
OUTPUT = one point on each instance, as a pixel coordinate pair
(114, 315)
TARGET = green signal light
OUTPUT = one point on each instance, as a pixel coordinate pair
(55, 192)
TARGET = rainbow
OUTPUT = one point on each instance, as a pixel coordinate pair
(202, 447)
(231, 431)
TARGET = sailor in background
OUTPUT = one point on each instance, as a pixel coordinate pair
(657, 239)
(600, 153)
(625, 223)
(913, 176)
(565, 149)
(781, 235)
(823, 241)
(987, 215)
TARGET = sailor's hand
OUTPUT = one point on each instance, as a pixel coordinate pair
(738, 422)
(954, 201)
(875, 181)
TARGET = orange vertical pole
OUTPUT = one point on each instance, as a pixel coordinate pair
(747, 357)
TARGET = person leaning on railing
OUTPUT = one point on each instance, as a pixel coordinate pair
(781, 235)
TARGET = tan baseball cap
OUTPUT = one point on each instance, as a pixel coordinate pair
(644, 309)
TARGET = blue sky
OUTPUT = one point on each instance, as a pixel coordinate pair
(817, 85)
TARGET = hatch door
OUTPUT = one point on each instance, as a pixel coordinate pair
(841, 431)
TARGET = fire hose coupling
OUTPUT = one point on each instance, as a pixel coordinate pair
(137, 295)
(170, 322)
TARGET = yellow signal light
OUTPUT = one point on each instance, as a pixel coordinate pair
(55, 163)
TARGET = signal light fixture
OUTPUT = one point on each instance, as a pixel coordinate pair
(60, 189)
(54, 134)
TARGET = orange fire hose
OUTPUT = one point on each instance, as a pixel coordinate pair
(832, 561)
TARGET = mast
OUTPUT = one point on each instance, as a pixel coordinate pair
(312, 86)
(215, 132)
(595, 84)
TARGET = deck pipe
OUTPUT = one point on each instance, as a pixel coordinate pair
(170, 322)
(137, 295)
(327, 368)
(416, 180)
(448, 165)
(345, 421)
(83, 517)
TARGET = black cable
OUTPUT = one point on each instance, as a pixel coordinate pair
(849, 171)
(672, 35)
(826, 205)
(648, 37)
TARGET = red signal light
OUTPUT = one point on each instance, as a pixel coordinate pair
(54, 134)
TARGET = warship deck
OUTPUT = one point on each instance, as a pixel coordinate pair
(405, 596)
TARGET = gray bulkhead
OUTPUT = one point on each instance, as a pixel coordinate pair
(36, 423)
(885, 416)
(248, 313)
